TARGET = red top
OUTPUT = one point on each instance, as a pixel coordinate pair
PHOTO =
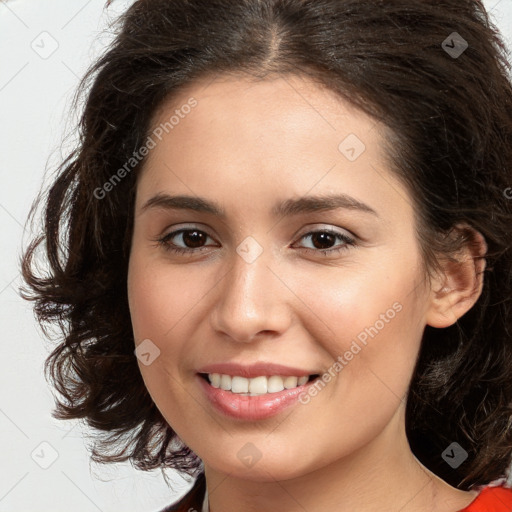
(491, 499)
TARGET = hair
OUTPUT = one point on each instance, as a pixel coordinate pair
(449, 141)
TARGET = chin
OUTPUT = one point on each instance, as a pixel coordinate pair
(265, 465)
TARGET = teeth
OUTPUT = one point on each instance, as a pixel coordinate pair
(225, 382)
(257, 385)
(239, 384)
(275, 384)
(302, 380)
(214, 379)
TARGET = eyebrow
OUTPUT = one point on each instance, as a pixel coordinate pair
(289, 207)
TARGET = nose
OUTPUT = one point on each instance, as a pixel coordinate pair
(252, 302)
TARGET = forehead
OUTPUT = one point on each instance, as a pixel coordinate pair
(286, 134)
(277, 103)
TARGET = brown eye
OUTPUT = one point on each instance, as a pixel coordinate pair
(194, 238)
(323, 241)
(184, 240)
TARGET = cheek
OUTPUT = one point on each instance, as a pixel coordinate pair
(164, 301)
(159, 301)
(159, 297)
(370, 323)
(363, 304)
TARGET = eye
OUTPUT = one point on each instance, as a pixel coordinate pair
(327, 237)
(192, 239)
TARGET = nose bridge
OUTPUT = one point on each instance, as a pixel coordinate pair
(251, 299)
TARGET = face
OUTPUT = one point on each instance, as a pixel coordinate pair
(294, 256)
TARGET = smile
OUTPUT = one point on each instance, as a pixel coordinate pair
(256, 386)
(254, 396)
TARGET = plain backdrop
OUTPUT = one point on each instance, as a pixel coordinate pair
(45, 47)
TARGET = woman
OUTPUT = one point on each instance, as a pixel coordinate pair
(286, 264)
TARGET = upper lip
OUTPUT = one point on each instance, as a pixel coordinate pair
(255, 370)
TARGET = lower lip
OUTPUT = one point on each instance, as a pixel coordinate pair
(251, 407)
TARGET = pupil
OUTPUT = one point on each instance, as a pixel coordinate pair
(193, 238)
(324, 238)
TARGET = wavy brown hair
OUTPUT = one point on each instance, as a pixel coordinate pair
(450, 142)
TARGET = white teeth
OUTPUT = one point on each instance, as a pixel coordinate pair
(302, 380)
(214, 379)
(291, 382)
(225, 382)
(239, 384)
(275, 384)
(257, 385)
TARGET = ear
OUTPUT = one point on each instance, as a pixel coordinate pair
(455, 290)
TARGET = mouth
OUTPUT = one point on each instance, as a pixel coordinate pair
(256, 386)
(255, 391)
(256, 397)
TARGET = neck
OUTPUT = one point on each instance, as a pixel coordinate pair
(382, 475)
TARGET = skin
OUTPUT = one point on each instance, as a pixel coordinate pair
(247, 146)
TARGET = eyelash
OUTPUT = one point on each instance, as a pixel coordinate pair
(164, 242)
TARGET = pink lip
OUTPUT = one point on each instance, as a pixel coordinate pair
(255, 370)
(250, 407)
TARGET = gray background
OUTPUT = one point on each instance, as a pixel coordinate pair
(36, 90)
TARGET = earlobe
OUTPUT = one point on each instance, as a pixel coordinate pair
(456, 289)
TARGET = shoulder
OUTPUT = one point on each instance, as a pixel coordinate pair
(492, 499)
(193, 500)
